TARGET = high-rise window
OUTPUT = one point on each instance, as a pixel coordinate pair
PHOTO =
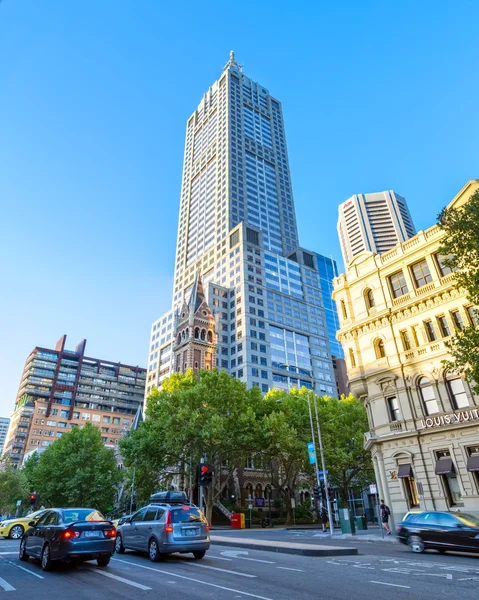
(398, 284)
(421, 273)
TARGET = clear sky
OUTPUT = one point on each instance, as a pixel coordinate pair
(94, 98)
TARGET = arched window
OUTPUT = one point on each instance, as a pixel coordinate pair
(197, 333)
(352, 359)
(379, 348)
(426, 391)
(178, 339)
(203, 335)
(183, 336)
(343, 309)
(210, 337)
(249, 490)
(369, 299)
(258, 491)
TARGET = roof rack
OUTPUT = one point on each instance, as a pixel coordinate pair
(169, 498)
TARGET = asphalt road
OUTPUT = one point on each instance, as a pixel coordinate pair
(227, 573)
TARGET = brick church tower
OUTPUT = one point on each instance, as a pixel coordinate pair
(195, 341)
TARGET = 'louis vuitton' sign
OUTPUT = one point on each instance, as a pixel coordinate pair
(460, 417)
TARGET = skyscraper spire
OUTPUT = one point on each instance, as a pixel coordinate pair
(233, 63)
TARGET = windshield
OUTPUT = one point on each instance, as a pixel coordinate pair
(81, 514)
(468, 520)
(186, 514)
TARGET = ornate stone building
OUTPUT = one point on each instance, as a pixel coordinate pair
(397, 311)
(195, 342)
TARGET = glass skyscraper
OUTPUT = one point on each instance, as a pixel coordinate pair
(237, 229)
(328, 270)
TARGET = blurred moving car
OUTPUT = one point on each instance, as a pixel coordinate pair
(69, 534)
(164, 528)
(440, 531)
(14, 528)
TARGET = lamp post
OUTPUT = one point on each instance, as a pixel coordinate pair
(320, 441)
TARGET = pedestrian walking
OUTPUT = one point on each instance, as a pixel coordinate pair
(385, 512)
(324, 517)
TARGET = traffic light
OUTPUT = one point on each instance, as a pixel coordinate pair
(205, 474)
(330, 493)
(33, 500)
(316, 493)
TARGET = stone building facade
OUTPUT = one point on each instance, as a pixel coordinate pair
(397, 311)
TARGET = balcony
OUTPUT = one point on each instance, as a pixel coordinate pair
(401, 299)
(18, 445)
(21, 435)
(397, 426)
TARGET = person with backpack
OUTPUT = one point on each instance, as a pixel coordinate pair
(385, 512)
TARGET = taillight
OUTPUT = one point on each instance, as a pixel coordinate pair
(68, 534)
(168, 525)
(207, 527)
(109, 533)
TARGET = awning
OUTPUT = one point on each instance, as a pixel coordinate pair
(405, 471)
(473, 463)
(445, 466)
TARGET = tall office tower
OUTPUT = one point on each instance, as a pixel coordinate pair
(373, 223)
(237, 231)
(61, 389)
(4, 423)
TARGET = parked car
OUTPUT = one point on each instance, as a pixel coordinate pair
(69, 534)
(13, 528)
(161, 529)
(441, 531)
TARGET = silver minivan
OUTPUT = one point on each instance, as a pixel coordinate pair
(164, 529)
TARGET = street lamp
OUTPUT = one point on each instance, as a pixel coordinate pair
(320, 440)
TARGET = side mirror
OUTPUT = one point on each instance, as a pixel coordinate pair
(32, 523)
(461, 526)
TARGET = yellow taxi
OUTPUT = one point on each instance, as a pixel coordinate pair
(14, 528)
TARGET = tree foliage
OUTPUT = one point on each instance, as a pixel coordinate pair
(461, 246)
(13, 487)
(77, 470)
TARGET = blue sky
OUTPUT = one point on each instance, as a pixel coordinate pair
(94, 97)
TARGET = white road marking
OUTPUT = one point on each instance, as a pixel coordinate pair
(6, 586)
(392, 584)
(122, 579)
(218, 557)
(238, 554)
(469, 579)
(2, 553)
(290, 569)
(218, 569)
(24, 569)
(221, 587)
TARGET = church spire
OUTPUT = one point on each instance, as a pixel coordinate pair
(197, 293)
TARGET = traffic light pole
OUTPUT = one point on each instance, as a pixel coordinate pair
(323, 465)
(315, 455)
(202, 460)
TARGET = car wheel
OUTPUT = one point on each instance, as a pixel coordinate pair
(154, 554)
(46, 558)
(119, 547)
(415, 543)
(23, 553)
(16, 532)
(199, 554)
(103, 561)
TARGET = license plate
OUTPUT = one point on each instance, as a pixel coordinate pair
(190, 532)
(92, 534)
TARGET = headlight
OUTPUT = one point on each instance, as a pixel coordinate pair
(2, 524)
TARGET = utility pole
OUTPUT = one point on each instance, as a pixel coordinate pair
(132, 490)
(202, 460)
(323, 465)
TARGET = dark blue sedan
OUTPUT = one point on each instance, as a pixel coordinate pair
(63, 534)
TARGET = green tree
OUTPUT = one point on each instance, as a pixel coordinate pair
(77, 470)
(13, 487)
(211, 414)
(343, 425)
(461, 246)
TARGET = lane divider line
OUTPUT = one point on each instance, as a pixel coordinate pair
(6, 586)
(392, 584)
(24, 569)
(221, 587)
(218, 569)
(290, 569)
(121, 579)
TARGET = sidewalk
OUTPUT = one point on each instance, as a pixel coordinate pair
(372, 534)
(283, 547)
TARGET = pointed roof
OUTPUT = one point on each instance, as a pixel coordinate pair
(197, 293)
(138, 419)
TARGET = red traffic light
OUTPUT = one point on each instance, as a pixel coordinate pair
(33, 497)
(204, 468)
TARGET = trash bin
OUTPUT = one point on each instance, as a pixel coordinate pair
(237, 521)
(361, 522)
(346, 521)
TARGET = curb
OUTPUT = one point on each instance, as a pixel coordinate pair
(320, 551)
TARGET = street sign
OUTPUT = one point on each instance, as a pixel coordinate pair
(311, 453)
(293, 503)
(259, 502)
(250, 507)
(373, 488)
(322, 472)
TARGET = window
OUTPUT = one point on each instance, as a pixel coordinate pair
(446, 470)
(457, 393)
(398, 284)
(393, 406)
(443, 326)
(443, 268)
(457, 320)
(379, 348)
(352, 359)
(343, 309)
(369, 299)
(405, 340)
(430, 331)
(472, 316)
(428, 397)
(421, 273)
